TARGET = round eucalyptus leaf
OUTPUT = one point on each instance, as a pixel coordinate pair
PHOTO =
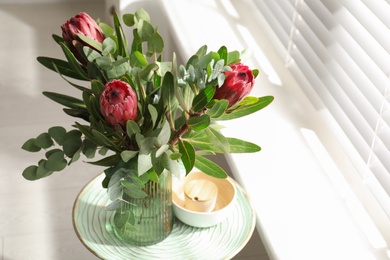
(56, 161)
(57, 133)
(30, 146)
(30, 173)
(44, 141)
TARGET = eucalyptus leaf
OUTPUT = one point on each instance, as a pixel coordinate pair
(144, 163)
(108, 46)
(132, 129)
(43, 141)
(121, 218)
(57, 133)
(128, 19)
(56, 161)
(30, 146)
(155, 43)
(113, 205)
(30, 173)
(127, 155)
(145, 30)
(91, 54)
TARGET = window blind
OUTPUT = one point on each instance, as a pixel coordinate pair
(340, 51)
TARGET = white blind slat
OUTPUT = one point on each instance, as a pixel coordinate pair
(341, 50)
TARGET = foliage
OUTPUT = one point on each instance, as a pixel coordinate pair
(177, 115)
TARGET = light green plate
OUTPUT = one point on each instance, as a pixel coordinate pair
(223, 241)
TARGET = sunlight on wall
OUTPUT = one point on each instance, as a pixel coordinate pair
(21, 65)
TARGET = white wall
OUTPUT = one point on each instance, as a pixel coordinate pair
(44, 1)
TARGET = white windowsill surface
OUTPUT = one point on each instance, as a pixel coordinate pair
(301, 212)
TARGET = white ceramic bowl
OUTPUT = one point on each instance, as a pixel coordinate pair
(223, 206)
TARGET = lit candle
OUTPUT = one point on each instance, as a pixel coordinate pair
(200, 195)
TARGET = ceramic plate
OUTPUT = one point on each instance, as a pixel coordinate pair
(223, 241)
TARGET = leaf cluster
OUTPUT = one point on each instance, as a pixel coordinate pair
(177, 119)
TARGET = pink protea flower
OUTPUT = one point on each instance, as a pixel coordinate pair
(84, 24)
(237, 85)
(118, 102)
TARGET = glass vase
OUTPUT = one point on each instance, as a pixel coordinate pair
(153, 215)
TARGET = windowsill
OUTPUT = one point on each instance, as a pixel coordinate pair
(301, 213)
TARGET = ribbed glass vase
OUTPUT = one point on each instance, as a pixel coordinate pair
(153, 215)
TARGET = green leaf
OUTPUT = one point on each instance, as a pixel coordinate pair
(91, 42)
(153, 113)
(255, 73)
(133, 191)
(63, 67)
(164, 135)
(127, 155)
(71, 145)
(97, 87)
(138, 59)
(218, 108)
(201, 51)
(89, 148)
(108, 31)
(132, 129)
(102, 139)
(203, 98)
(241, 146)
(56, 161)
(91, 54)
(168, 92)
(57, 133)
(199, 123)
(223, 53)
(109, 46)
(187, 155)
(145, 30)
(73, 63)
(65, 100)
(144, 163)
(121, 218)
(233, 57)
(218, 140)
(30, 146)
(122, 42)
(209, 167)
(155, 43)
(175, 156)
(42, 171)
(142, 14)
(128, 19)
(243, 110)
(30, 173)
(44, 141)
(107, 161)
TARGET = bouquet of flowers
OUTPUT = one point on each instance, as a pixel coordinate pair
(141, 113)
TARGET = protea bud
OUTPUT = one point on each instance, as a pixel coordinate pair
(118, 102)
(237, 85)
(84, 24)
